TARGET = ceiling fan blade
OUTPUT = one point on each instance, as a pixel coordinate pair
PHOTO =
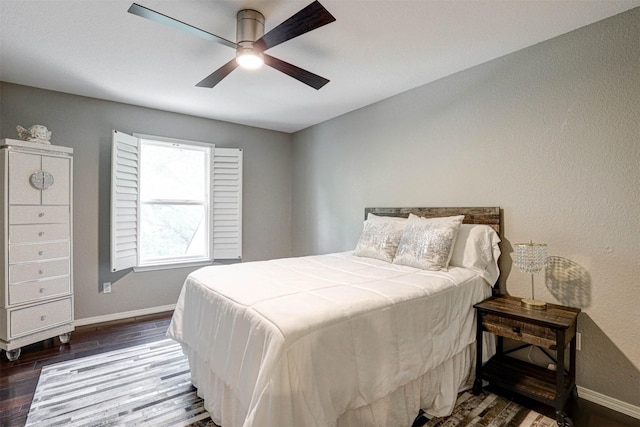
(304, 76)
(308, 19)
(214, 78)
(158, 17)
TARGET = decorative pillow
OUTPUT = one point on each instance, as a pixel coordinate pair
(380, 237)
(477, 249)
(427, 243)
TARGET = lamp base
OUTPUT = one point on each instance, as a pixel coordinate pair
(533, 304)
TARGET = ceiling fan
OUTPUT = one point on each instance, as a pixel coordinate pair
(252, 42)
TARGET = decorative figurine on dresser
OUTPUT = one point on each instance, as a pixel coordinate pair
(36, 284)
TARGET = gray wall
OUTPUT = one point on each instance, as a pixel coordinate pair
(85, 124)
(551, 134)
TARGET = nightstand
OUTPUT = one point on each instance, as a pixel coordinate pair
(550, 329)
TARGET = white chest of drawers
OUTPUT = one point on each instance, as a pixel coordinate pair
(36, 284)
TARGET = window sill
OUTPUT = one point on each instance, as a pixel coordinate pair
(171, 266)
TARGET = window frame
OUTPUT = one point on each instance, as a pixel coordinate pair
(173, 262)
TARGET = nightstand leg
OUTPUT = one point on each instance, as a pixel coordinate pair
(572, 364)
(563, 420)
(562, 394)
(560, 391)
(477, 384)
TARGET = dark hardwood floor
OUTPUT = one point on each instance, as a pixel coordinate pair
(18, 379)
(582, 412)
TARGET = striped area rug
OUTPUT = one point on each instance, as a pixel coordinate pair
(150, 385)
(146, 385)
(487, 410)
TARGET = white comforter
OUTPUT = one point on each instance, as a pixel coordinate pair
(300, 341)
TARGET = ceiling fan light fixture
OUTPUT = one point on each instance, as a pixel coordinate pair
(248, 58)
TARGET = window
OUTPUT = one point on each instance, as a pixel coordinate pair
(173, 202)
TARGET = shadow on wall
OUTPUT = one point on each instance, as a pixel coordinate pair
(505, 262)
(569, 282)
(601, 366)
(615, 376)
(566, 280)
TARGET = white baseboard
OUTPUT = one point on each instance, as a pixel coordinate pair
(609, 402)
(123, 315)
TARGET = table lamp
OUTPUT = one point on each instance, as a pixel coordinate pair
(531, 258)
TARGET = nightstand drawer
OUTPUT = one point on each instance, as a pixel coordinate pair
(520, 331)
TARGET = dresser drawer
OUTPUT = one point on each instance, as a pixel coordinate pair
(38, 252)
(40, 289)
(520, 331)
(38, 233)
(32, 319)
(38, 270)
(38, 214)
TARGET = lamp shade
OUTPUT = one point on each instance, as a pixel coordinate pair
(530, 257)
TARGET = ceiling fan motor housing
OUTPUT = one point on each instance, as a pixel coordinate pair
(250, 28)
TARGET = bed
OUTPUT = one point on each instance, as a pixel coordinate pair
(359, 338)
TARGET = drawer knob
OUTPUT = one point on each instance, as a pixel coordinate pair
(516, 329)
(41, 271)
(43, 318)
(42, 290)
(41, 233)
(40, 253)
(41, 214)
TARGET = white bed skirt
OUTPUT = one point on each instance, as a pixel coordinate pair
(435, 393)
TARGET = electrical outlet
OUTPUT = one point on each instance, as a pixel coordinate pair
(106, 288)
(578, 341)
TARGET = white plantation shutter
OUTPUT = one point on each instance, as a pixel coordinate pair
(124, 200)
(227, 203)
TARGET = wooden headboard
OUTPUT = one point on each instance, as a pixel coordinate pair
(476, 215)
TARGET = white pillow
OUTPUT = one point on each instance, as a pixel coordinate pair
(427, 243)
(477, 248)
(380, 237)
(474, 246)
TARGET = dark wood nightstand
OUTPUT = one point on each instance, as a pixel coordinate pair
(550, 329)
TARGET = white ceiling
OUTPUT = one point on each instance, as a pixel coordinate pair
(374, 50)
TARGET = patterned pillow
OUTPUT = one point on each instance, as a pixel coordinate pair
(380, 237)
(427, 243)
